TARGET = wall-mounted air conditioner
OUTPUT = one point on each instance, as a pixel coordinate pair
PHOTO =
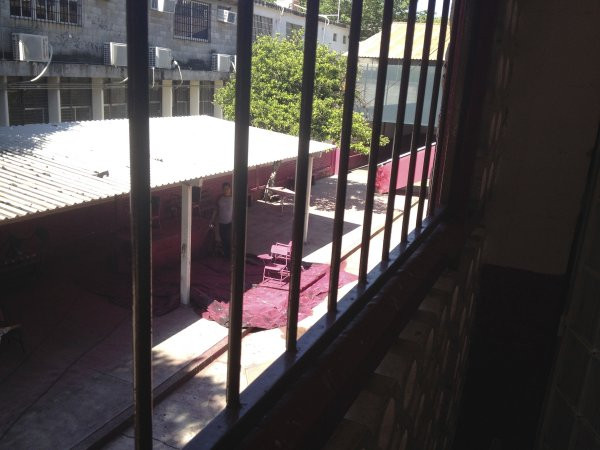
(225, 15)
(222, 62)
(30, 47)
(115, 54)
(160, 57)
(167, 6)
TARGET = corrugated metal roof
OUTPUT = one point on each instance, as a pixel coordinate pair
(45, 167)
(369, 48)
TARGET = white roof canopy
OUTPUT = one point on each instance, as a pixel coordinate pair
(45, 167)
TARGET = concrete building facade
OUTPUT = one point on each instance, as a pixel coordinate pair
(273, 19)
(86, 80)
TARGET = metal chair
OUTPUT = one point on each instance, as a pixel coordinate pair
(276, 263)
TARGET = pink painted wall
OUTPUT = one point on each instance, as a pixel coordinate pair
(382, 180)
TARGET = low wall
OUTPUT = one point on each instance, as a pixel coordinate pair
(384, 171)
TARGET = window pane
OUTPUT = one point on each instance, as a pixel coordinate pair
(20, 8)
(261, 26)
(181, 97)
(290, 28)
(41, 10)
(73, 12)
(207, 92)
(200, 21)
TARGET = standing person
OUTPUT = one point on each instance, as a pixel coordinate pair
(224, 213)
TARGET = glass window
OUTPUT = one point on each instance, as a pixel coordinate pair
(290, 28)
(61, 11)
(115, 101)
(261, 26)
(207, 93)
(181, 98)
(75, 99)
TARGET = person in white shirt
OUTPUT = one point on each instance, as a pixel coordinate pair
(224, 213)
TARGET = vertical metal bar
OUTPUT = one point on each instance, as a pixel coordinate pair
(141, 229)
(399, 131)
(417, 123)
(388, 9)
(240, 190)
(342, 183)
(436, 178)
(435, 93)
(308, 84)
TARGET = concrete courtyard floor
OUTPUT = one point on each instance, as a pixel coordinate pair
(76, 375)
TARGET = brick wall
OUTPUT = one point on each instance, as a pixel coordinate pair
(411, 400)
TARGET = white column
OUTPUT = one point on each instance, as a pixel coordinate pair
(194, 97)
(4, 117)
(167, 98)
(308, 188)
(186, 242)
(53, 99)
(218, 111)
(97, 99)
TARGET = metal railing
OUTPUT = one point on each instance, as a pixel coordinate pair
(339, 313)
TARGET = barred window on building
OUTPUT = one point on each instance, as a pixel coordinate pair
(290, 28)
(155, 101)
(261, 26)
(115, 102)
(207, 95)
(61, 11)
(25, 104)
(75, 99)
(181, 98)
(192, 20)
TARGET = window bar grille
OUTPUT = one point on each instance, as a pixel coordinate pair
(375, 135)
(141, 232)
(308, 84)
(417, 122)
(240, 190)
(435, 93)
(399, 131)
(342, 183)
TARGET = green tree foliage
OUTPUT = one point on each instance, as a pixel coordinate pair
(276, 89)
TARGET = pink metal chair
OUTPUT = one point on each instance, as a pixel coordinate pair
(276, 263)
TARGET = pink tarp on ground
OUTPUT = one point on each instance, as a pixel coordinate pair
(265, 304)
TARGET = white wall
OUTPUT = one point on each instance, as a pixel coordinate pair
(551, 127)
(282, 16)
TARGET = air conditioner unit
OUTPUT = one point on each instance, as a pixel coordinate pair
(115, 54)
(225, 15)
(30, 47)
(160, 57)
(167, 6)
(221, 62)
